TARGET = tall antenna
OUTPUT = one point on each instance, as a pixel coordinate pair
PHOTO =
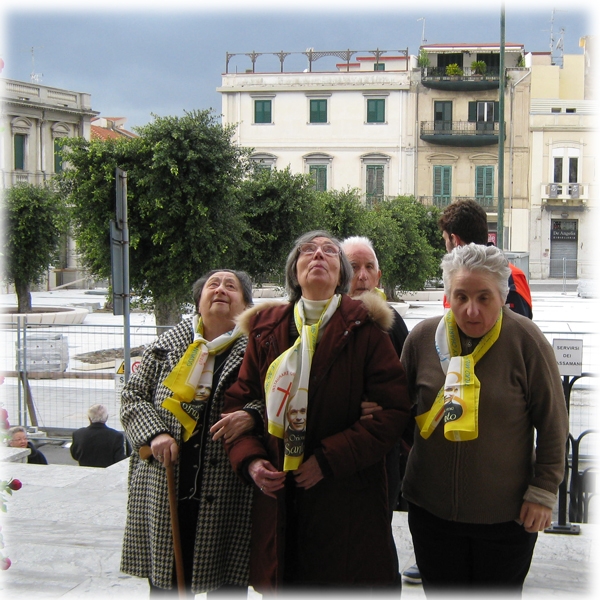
(558, 45)
(35, 77)
(423, 40)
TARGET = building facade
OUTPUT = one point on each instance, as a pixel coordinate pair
(33, 118)
(564, 166)
(430, 126)
(458, 116)
(349, 127)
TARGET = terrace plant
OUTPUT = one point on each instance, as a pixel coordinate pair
(478, 67)
(453, 69)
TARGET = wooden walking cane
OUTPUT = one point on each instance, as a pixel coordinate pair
(145, 454)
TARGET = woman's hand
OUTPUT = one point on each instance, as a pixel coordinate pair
(164, 449)
(535, 517)
(267, 478)
(308, 473)
(368, 408)
(232, 425)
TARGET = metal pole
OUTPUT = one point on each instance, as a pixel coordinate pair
(126, 291)
(500, 240)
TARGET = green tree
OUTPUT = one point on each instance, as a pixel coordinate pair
(406, 257)
(35, 220)
(339, 211)
(182, 177)
(277, 208)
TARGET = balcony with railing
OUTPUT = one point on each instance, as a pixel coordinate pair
(468, 81)
(488, 203)
(561, 194)
(460, 133)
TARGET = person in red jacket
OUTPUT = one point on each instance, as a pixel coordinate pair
(465, 222)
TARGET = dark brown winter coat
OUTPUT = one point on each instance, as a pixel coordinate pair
(343, 528)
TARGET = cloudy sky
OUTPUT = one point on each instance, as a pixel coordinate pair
(136, 58)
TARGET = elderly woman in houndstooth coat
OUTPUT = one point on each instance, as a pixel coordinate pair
(174, 408)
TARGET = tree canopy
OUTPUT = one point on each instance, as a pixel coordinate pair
(182, 174)
(34, 218)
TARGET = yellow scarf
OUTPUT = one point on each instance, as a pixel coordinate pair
(286, 384)
(191, 378)
(457, 402)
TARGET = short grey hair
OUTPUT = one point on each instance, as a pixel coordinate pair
(474, 257)
(359, 240)
(291, 277)
(98, 413)
(16, 429)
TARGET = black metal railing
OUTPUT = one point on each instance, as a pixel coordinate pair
(491, 73)
(459, 128)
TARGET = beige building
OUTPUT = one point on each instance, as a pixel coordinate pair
(564, 151)
(33, 117)
(430, 127)
(350, 126)
(459, 129)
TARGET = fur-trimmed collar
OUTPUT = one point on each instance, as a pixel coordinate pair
(379, 311)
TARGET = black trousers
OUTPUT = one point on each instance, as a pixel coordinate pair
(472, 557)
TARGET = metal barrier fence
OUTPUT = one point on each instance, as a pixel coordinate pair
(52, 375)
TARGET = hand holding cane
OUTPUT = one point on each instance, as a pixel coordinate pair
(145, 454)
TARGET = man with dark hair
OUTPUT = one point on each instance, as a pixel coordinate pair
(98, 445)
(465, 222)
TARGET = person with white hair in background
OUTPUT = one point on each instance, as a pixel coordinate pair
(483, 474)
(98, 445)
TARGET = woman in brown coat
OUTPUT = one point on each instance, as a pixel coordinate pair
(320, 515)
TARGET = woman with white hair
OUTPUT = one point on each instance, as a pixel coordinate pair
(483, 474)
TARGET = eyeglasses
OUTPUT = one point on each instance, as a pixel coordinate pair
(328, 249)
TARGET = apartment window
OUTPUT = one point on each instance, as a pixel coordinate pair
(19, 141)
(442, 185)
(264, 161)
(484, 185)
(442, 115)
(58, 161)
(379, 67)
(318, 111)
(374, 184)
(565, 166)
(319, 174)
(262, 111)
(375, 110)
(485, 114)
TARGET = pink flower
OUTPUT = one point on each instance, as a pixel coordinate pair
(5, 563)
(15, 484)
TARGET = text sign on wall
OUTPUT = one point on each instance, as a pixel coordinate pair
(569, 356)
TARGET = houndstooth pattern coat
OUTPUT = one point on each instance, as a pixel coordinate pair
(222, 547)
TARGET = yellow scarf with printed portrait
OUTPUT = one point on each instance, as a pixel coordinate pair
(457, 402)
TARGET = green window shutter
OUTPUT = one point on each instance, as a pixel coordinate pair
(319, 174)
(472, 112)
(374, 187)
(496, 112)
(376, 111)
(442, 185)
(58, 163)
(484, 182)
(19, 151)
(318, 111)
(262, 111)
(379, 67)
